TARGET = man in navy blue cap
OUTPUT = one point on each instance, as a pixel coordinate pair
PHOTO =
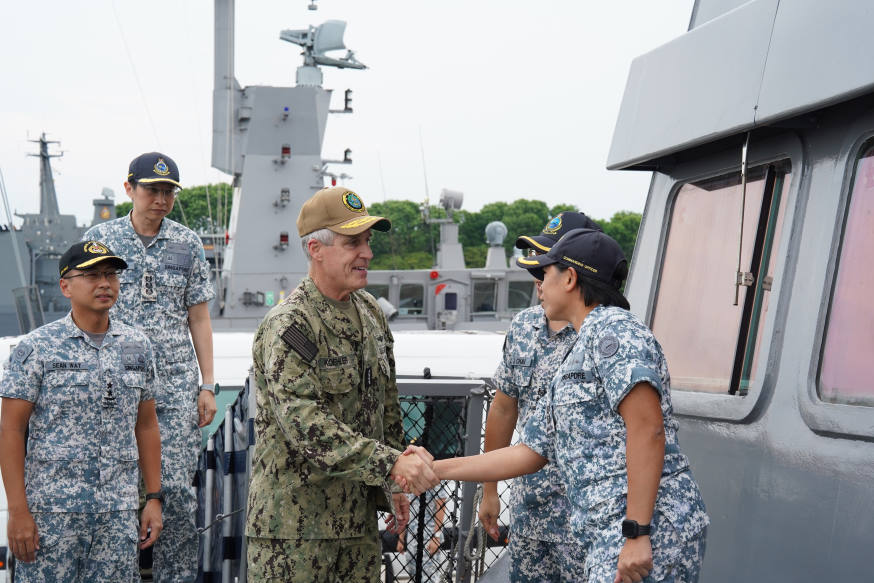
(541, 547)
(166, 293)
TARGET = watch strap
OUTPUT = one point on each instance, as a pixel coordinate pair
(159, 495)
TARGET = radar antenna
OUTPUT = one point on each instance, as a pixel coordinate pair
(316, 41)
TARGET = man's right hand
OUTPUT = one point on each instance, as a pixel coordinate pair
(414, 473)
(489, 510)
(22, 535)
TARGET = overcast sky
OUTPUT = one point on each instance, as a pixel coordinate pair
(512, 99)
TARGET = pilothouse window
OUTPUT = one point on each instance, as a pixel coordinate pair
(412, 299)
(711, 344)
(845, 376)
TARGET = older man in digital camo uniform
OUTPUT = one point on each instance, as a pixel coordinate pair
(328, 425)
(165, 293)
(81, 390)
(542, 548)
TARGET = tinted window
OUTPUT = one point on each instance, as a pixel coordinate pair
(849, 340)
(412, 299)
(378, 290)
(710, 342)
(520, 294)
(484, 294)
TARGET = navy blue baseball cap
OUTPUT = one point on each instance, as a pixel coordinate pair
(554, 229)
(593, 254)
(153, 167)
(87, 254)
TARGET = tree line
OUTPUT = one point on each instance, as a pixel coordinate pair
(411, 243)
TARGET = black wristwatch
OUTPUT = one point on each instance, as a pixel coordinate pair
(631, 529)
(159, 496)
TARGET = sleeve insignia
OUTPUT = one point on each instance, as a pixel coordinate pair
(298, 342)
(608, 345)
(20, 354)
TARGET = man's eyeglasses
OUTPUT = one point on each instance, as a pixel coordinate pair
(95, 276)
(155, 192)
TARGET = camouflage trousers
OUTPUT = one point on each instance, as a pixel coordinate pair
(79, 547)
(175, 552)
(344, 560)
(674, 560)
(538, 561)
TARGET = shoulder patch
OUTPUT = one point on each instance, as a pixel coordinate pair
(608, 345)
(20, 354)
(298, 342)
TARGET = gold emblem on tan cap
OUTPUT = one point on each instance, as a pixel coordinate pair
(352, 202)
(357, 222)
(95, 247)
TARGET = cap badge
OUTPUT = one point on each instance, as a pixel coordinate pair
(553, 226)
(95, 247)
(352, 202)
(161, 168)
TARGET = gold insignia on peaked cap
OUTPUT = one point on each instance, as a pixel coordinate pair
(339, 209)
(553, 226)
(161, 168)
(95, 247)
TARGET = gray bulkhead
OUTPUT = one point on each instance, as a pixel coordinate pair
(786, 475)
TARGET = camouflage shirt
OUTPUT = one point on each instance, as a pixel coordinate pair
(538, 507)
(328, 425)
(81, 447)
(579, 425)
(161, 282)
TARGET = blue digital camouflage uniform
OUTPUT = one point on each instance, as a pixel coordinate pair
(579, 426)
(161, 282)
(327, 433)
(542, 547)
(81, 467)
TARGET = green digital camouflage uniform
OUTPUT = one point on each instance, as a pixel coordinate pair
(328, 431)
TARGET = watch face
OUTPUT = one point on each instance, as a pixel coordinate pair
(629, 528)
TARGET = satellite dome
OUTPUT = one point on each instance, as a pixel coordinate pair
(496, 231)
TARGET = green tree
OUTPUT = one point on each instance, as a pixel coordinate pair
(560, 208)
(191, 208)
(623, 227)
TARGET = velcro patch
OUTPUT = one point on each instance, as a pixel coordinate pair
(608, 345)
(519, 361)
(330, 362)
(300, 343)
(67, 365)
(20, 354)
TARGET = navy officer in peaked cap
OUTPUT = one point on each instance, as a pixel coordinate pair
(80, 391)
(166, 294)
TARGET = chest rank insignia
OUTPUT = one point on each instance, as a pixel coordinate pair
(161, 168)
(553, 226)
(352, 202)
(298, 342)
(608, 346)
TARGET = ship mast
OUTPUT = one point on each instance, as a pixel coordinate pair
(48, 198)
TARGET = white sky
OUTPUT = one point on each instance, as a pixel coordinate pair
(513, 99)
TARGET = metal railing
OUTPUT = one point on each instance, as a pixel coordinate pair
(445, 415)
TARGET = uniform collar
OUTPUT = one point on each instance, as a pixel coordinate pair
(333, 319)
(71, 330)
(132, 233)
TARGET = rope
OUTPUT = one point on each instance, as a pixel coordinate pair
(478, 532)
(218, 518)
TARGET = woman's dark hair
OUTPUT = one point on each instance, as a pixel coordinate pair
(597, 292)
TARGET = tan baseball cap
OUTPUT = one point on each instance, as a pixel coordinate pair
(339, 209)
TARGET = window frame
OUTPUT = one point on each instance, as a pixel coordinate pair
(783, 149)
(837, 419)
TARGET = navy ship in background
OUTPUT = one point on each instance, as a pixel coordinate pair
(29, 292)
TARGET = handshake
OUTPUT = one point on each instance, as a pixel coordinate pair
(415, 470)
